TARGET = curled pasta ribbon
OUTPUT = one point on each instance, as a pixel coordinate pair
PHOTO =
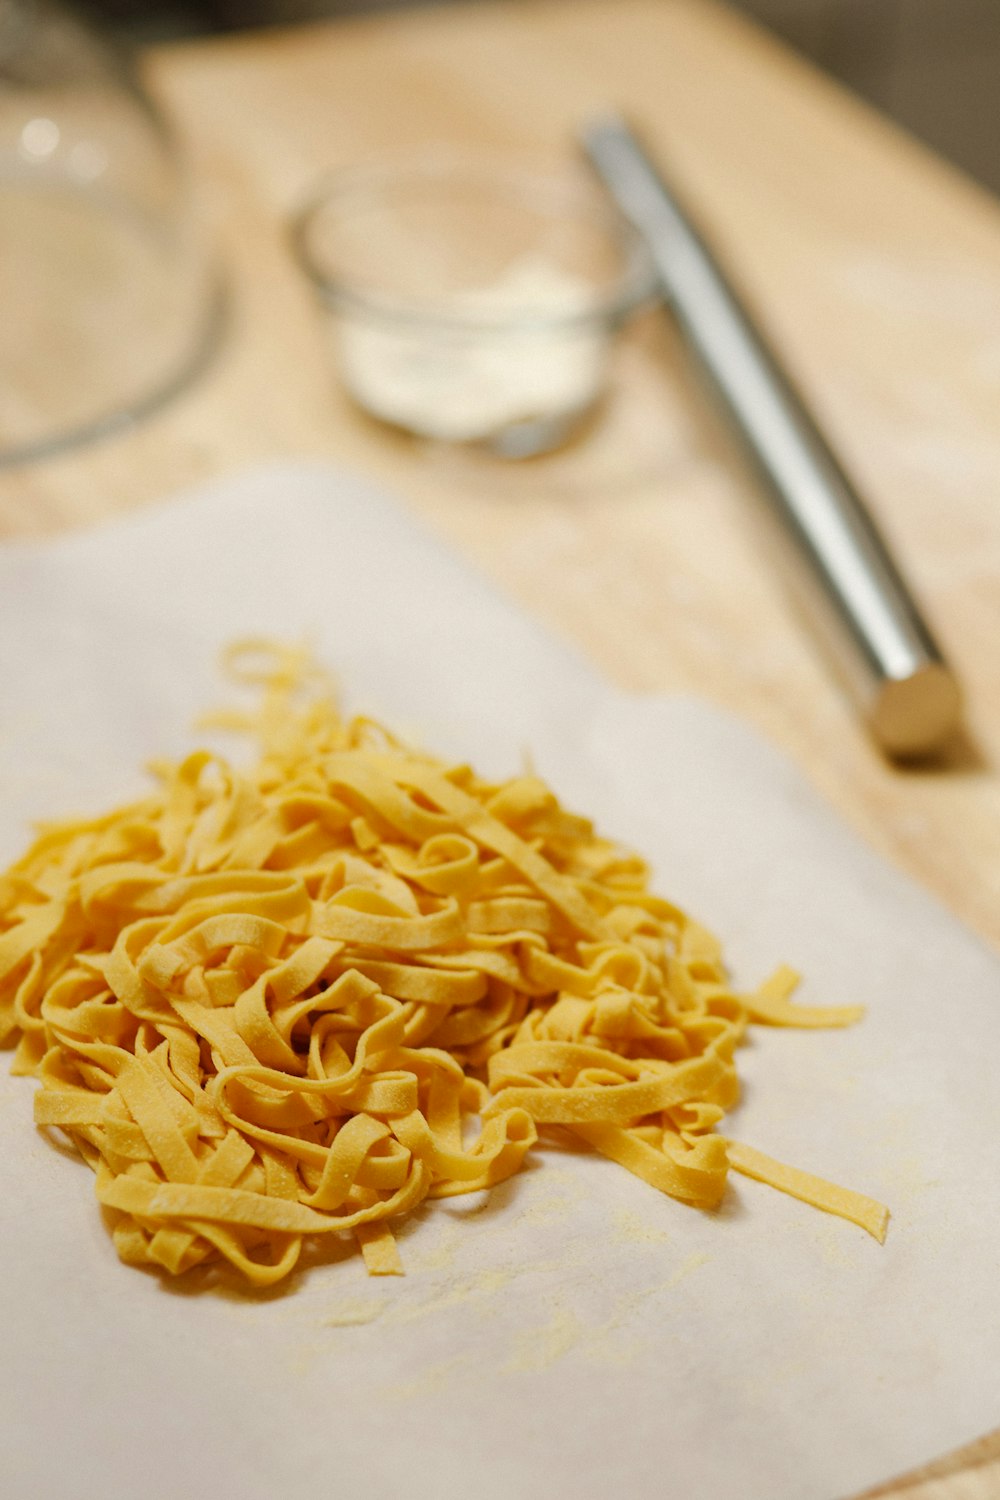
(273, 1004)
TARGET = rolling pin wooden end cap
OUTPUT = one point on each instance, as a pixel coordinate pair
(914, 715)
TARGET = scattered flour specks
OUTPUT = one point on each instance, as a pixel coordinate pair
(691, 1264)
(430, 1381)
(357, 1310)
(538, 1348)
(552, 1199)
(632, 1229)
(479, 1287)
(442, 1256)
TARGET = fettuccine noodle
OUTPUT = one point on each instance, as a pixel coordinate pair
(298, 1000)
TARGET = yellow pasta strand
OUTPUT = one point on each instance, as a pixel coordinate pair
(300, 999)
(818, 1191)
(378, 1246)
(770, 1005)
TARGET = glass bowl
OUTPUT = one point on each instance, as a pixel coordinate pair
(471, 301)
(108, 300)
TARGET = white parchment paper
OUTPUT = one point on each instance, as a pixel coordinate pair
(576, 1335)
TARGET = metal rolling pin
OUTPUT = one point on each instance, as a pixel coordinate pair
(844, 577)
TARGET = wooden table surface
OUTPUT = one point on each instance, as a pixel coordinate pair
(876, 267)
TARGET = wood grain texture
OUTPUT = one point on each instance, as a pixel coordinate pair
(876, 267)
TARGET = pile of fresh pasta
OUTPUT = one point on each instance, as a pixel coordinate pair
(296, 1000)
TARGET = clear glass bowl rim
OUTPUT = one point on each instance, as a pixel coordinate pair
(546, 185)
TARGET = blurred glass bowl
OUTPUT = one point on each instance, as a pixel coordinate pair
(108, 301)
(470, 301)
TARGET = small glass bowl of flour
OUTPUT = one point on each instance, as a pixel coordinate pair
(470, 301)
